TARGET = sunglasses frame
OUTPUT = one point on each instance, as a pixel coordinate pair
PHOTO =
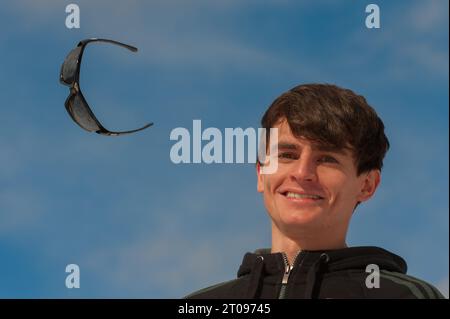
(75, 90)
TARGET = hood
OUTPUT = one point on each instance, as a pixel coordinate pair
(262, 262)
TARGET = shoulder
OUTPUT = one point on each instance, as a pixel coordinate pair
(405, 286)
(387, 285)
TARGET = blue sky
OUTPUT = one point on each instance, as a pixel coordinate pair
(139, 225)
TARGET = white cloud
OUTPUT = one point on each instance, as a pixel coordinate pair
(171, 262)
(21, 210)
(410, 40)
(428, 16)
(167, 256)
(172, 258)
(170, 34)
(433, 59)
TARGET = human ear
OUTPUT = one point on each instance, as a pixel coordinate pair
(369, 185)
(260, 178)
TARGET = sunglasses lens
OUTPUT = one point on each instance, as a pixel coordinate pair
(81, 114)
(69, 68)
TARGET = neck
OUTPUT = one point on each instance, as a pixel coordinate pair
(291, 246)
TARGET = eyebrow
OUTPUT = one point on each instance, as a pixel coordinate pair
(329, 148)
(288, 146)
(316, 147)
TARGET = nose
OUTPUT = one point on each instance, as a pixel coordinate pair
(305, 168)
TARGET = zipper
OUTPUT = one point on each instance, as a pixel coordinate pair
(287, 273)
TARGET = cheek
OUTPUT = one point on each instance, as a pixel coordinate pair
(334, 184)
(270, 192)
(268, 184)
(272, 182)
(342, 191)
(269, 200)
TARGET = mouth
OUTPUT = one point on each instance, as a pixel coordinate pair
(302, 197)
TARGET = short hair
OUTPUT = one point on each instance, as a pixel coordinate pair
(335, 117)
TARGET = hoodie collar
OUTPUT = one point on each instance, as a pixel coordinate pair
(262, 262)
(339, 259)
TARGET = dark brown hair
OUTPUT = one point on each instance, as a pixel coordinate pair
(335, 117)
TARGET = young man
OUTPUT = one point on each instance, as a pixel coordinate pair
(331, 146)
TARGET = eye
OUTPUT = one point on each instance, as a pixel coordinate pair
(287, 155)
(327, 159)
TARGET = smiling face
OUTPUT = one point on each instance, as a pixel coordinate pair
(314, 191)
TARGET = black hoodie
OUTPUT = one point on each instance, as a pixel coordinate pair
(358, 272)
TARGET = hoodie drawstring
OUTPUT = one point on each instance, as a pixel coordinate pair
(314, 276)
(256, 279)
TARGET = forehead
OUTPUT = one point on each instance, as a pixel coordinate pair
(287, 140)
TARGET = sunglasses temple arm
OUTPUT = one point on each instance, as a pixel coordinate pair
(126, 46)
(104, 131)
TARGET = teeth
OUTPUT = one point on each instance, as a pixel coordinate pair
(295, 195)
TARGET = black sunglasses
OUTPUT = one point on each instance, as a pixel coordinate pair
(76, 105)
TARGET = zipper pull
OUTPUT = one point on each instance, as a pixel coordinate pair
(284, 281)
(287, 272)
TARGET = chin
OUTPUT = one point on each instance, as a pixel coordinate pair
(300, 217)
